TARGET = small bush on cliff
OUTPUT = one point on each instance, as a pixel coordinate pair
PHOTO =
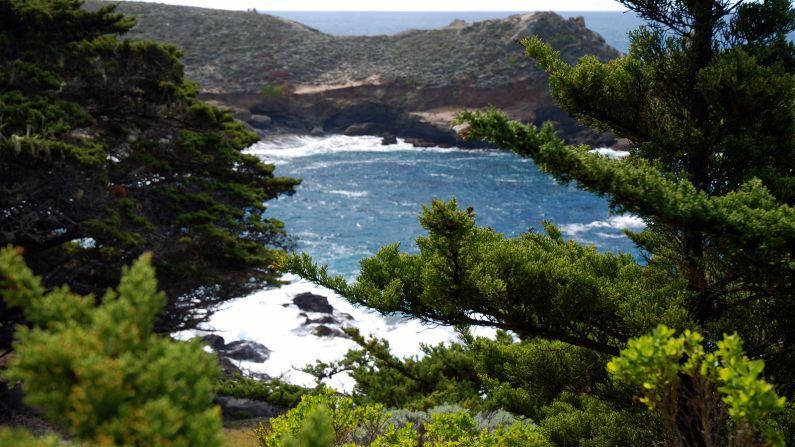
(100, 370)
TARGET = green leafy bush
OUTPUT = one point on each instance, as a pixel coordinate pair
(101, 371)
(675, 372)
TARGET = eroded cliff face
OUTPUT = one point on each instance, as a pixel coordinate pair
(293, 78)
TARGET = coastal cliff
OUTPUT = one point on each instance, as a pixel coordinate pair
(280, 75)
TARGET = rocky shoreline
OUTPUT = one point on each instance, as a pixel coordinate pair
(280, 76)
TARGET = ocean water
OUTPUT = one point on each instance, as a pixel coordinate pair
(612, 25)
(358, 195)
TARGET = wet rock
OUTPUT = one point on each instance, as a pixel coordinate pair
(235, 408)
(309, 302)
(388, 139)
(215, 342)
(247, 350)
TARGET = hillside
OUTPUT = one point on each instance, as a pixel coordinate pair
(409, 84)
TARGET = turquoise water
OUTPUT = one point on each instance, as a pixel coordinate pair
(358, 195)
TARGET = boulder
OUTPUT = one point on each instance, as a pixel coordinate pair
(309, 302)
(260, 121)
(388, 139)
(235, 408)
(247, 351)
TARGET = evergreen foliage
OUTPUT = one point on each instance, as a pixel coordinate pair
(275, 392)
(106, 152)
(706, 97)
(101, 371)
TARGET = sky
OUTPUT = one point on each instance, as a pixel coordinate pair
(404, 5)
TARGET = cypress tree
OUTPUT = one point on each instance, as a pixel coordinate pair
(107, 152)
(706, 97)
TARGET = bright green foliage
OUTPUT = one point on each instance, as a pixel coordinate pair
(106, 152)
(350, 423)
(663, 366)
(101, 371)
(317, 431)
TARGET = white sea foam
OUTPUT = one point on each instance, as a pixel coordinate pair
(282, 149)
(610, 153)
(270, 318)
(340, 192)
(624, 221)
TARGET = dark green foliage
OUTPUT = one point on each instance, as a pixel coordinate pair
(275, 391)
(443, 375)
(706, 97)
(105, 152)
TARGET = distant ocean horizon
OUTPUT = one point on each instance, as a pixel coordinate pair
(612, 25)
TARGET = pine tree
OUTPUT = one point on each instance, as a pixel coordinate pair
(706, 96)
(106, 152)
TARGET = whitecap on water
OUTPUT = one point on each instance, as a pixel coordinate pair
(281, 149)
(348, 193)
(621, 222)
(610, 153)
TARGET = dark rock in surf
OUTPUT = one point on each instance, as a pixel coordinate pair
(309, 302)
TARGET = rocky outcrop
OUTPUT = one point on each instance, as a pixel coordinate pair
(284, 76)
